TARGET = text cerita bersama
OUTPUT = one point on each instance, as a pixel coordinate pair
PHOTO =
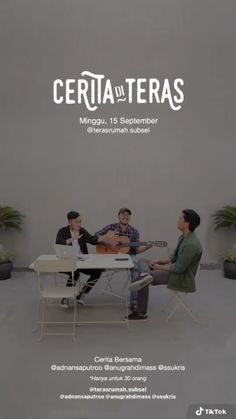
(116, 359)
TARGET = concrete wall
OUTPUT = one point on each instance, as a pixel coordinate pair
(49, 164)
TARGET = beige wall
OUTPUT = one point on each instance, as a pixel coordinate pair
(49, 164)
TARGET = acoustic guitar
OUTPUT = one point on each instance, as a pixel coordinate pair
(123, 244)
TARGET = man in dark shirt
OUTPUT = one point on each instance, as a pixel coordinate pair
(75, 235)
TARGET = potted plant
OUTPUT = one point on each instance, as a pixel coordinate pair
(226, 218)
(9, 218)
(229, 264)
(5, 264)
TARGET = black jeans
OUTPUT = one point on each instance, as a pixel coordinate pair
(94, 275)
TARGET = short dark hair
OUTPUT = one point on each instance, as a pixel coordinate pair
(191, 217)
(122, 210)
(72, 215)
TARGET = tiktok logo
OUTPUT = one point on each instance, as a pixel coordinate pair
(199, 411)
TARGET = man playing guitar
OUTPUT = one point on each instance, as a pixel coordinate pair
(123, 228)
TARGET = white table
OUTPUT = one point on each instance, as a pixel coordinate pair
(118, 261)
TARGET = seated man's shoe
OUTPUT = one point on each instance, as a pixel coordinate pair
(144, 280)
(80, 298)
(65, 302)
(137, 316)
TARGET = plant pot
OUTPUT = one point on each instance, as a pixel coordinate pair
(5, 270)
(229, 269)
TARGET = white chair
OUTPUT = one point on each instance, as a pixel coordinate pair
(108, 289)
(54, 291)
(180, 297)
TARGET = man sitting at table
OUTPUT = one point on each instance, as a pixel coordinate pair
(124, 228)
(75, 235)
(177, 272)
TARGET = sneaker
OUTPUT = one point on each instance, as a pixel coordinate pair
(65, 302)
(144, 280)
(137, 316)
(80, 298)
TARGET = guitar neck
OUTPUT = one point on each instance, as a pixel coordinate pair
(137, 244)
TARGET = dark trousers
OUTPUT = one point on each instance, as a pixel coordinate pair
(94, 275)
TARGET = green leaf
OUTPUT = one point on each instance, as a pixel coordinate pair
(10, 218)
(5, 256)
(225, 217)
